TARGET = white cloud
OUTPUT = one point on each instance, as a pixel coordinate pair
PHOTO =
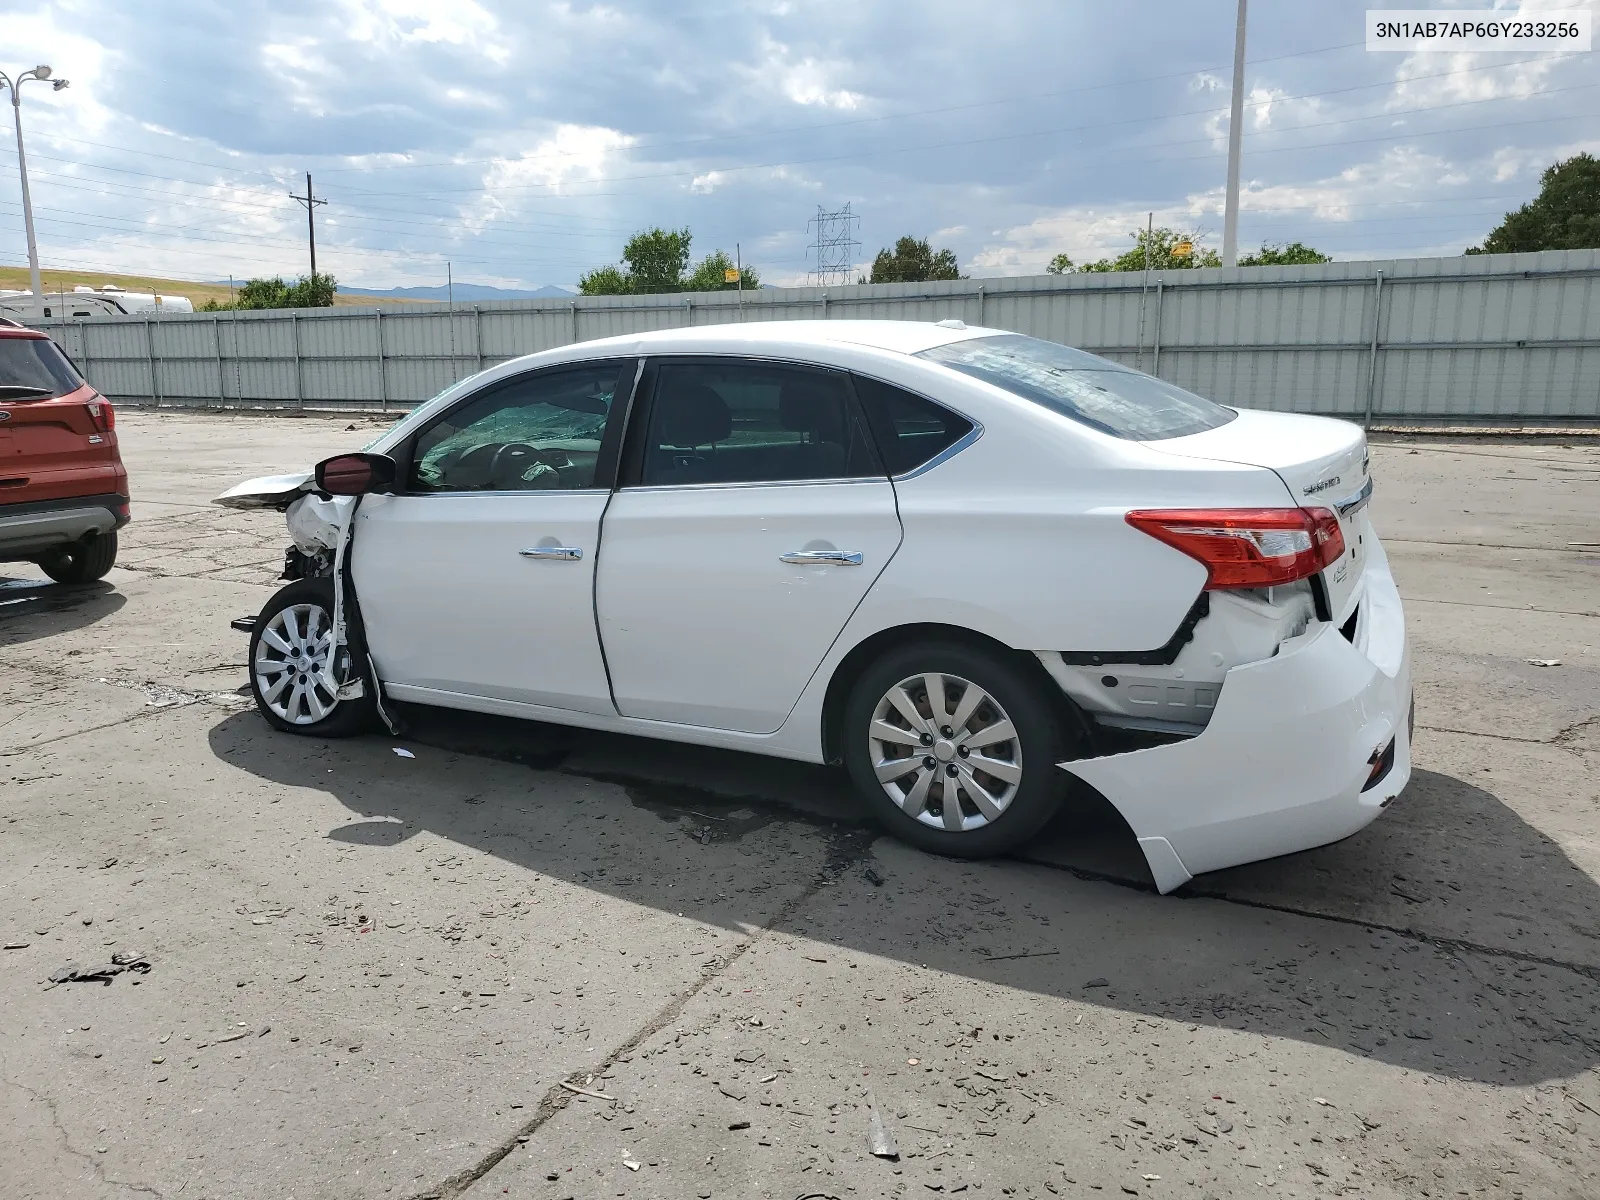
(806, 81)
(398, 23)
(572, 154)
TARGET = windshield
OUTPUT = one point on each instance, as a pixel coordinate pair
(34, 369)
(1087, 388)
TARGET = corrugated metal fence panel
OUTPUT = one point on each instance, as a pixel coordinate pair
(1475, 337)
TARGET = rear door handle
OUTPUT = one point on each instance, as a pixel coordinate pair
(814, 558)
(567, 553)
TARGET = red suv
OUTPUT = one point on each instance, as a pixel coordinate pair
(63, 490)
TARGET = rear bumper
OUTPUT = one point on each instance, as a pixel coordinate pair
(38, 526)
(1283, 763)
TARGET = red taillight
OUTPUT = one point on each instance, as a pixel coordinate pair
(102, 414)
(1248, 547)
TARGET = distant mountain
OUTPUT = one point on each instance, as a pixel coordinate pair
(463, 291)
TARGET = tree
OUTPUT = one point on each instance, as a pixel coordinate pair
(1293, 255)
(1162, 243)
(711, 275)
(605, 281)
(309, 291)
(1565, 215)
(655, 262)
(914, 261)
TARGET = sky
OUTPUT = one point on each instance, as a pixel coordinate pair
(523, 142)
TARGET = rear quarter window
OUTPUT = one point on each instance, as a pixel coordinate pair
(1092, 390)
(910, 430)
(34, 368)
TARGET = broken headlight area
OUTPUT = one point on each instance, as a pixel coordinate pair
(297, 564)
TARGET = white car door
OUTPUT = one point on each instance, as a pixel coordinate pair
(752, 520)
(476, 579)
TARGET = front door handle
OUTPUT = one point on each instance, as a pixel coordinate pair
(567, 553)
(815, 558)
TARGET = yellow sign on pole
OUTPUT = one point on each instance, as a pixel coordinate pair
(1182, 248)
(730, 275)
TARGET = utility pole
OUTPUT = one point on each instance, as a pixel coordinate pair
(41, 72)
(1230, 211)
(311, 202)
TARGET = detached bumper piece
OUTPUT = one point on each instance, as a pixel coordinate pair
(1304, 749)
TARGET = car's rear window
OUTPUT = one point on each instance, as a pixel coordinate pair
(1100, 393)
(34, 369)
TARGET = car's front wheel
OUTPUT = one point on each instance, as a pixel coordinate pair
(954, 748)
(295, 671)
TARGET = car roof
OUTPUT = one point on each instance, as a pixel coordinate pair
(17, 331)
(904, 337)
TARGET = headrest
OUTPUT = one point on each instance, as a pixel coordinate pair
(812, 407)
(692, 415)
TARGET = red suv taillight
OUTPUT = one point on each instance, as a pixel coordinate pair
(102, 414)
(1248, 547)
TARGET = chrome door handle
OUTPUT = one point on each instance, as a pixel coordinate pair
(814, 558)
(568, 553)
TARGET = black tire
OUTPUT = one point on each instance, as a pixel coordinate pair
(82, 562)
(1042, 742)
(346, 717)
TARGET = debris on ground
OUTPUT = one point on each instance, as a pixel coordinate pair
(1543, 662)
(74, 973)
(874, 878)
(1098, 983)
(16, 945)
(879, 1140)
(572, 1087)
(403, 753)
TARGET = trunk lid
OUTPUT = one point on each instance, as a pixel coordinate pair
(1323, 464)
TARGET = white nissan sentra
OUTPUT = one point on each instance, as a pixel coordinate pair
(965, 564)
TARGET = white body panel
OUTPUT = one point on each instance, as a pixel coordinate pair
(703, 624)
(451, 602)
(1017, 534)
(1282, 764)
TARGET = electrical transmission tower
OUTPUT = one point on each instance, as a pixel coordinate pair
(835, 246)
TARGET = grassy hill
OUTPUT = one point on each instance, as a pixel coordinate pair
(198, 293)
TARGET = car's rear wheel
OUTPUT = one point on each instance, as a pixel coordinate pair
(295, 671)
(82, 562)
(954, 748)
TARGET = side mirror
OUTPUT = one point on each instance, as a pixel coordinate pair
(355, 474)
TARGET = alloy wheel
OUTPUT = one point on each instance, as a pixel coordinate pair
(294, 664)
(945, 751)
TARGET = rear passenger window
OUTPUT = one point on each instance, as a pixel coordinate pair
(908, 429)
(746, 422)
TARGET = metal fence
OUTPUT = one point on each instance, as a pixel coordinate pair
(1513, 337)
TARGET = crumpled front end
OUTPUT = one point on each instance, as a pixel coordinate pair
(1304, 748)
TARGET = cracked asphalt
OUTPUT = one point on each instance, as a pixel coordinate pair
(546, 963)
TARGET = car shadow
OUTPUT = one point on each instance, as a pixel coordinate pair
(36, 608)
(1274, 949)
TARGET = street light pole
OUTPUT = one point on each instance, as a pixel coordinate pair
(1230, 211)
(40, 72)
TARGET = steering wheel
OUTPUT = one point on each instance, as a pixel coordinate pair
(516, 457)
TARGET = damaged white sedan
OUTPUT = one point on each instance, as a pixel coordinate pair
(964, 563)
